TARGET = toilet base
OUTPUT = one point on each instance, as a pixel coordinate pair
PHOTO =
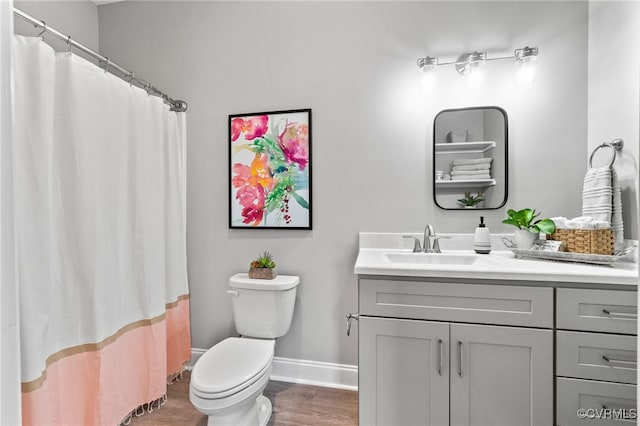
(258, 415)
(264, 410)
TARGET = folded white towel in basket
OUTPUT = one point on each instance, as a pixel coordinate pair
(469, 161)
(601, 199)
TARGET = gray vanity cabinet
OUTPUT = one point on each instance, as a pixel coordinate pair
(501, 375)
(419, 366)
(596, 362)
(404, 376)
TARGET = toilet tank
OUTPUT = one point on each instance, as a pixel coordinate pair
(263, 308)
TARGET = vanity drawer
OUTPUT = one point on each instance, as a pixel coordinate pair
(595, 356)
(606, 403)
(471, 303)
(597, 310)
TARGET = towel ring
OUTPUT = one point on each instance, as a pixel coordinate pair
(615, 145)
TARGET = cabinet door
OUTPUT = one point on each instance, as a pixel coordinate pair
(501, 376)
(403, 372)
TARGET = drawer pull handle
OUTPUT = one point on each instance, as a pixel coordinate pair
(616, 407)
(460, 359)
(620, 314)
(440, 356)
(619, 361)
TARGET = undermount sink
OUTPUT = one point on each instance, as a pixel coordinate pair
(432, 258)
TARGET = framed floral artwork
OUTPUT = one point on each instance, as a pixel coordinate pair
(270, 170)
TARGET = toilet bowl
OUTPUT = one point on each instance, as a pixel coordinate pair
(228, 380)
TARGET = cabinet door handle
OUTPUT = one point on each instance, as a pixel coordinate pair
(460, 359)
(440, 348)
(620, 314)
(611, 360)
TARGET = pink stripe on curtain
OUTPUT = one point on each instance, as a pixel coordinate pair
(101, 386)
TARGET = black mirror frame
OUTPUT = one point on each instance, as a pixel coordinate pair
(506, 156)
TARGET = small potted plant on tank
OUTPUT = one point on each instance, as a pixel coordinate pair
(263, 267)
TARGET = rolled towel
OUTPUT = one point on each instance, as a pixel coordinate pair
(583, 219)
(470, 161)
(586, 225)
(469, 172)
(570, 224)
(560, 221)
(470, 177)
(483, 166)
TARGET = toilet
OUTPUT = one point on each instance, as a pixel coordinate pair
(228, 380)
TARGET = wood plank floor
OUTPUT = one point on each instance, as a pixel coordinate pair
(293, 404)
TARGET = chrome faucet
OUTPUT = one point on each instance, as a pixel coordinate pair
(426, 247)
(426, 242)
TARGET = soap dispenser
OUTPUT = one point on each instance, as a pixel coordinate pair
(482, 238)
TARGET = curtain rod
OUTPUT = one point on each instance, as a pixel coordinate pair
(176, 105)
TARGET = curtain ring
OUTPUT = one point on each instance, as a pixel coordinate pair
(44, 30)
(604, 145)
(69, 44)
(131, 77)
(106, 65)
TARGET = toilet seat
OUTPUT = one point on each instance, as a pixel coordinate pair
(231, 366)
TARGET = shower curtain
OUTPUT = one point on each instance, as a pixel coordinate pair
(100, 240)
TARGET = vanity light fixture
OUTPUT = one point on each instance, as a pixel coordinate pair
(428, 67)
(526, 63)
(472, 64)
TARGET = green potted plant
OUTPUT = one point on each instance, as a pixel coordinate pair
(528, 230)
(263, 267)
(471, 201)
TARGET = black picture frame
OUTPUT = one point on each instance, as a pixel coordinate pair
(270, 170)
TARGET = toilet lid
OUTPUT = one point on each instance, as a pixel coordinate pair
(279, 283)
(230, 364)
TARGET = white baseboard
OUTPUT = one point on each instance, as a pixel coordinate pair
(325, 374)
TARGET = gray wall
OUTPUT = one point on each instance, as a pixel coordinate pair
(353, 63)
(78, 18)
(614, 106)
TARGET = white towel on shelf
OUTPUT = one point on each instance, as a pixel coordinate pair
(483, 166)
(470, 161)
(469, 172)
(601, 199)
(470, 177)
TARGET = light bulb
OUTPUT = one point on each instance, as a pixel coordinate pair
(526, 75)
(428, 67)
(475, 77)
(428, 82)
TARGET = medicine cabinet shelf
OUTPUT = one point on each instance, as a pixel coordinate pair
(471, 183)
(464, 147)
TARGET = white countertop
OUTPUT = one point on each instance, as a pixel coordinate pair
(500, 264)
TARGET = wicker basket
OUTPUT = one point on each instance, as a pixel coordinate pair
(591, 241)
